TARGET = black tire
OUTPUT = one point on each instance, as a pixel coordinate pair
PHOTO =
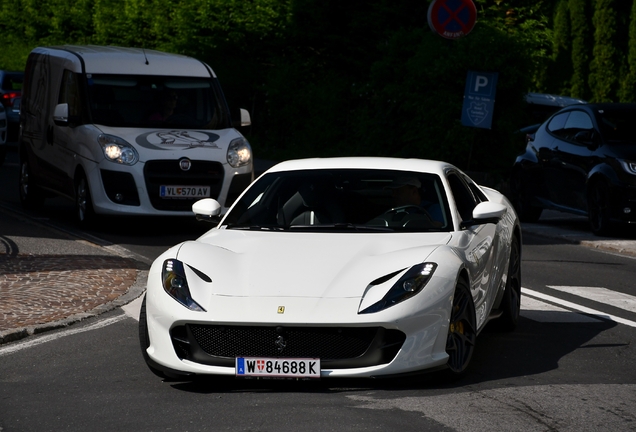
(84, 214)
(511, 301)
(598, 199)
(144, 339)
(462, 331)
(31, 196)
(521, 200)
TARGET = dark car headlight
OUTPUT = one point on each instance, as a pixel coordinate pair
(412, 282)
(175, 283)
(628, 166)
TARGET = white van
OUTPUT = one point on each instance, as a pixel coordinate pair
(126, 131)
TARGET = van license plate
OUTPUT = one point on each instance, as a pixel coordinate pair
(184, 191)
(277, 367)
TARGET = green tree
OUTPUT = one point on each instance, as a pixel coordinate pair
(580, 25)
(628, 84)
(603, 78)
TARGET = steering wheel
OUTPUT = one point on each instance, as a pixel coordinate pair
(392, 214)
(407, 209)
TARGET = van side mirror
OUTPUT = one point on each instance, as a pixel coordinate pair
(60, 114)
(244, 119)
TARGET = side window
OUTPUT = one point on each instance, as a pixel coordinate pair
(69, 93)
(557, 124)
(578, 121)
(464, 199)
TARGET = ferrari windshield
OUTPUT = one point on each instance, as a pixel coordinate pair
(155, 102)
(352, 200)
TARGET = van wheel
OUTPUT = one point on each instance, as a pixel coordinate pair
(31, 196)
(84, 213)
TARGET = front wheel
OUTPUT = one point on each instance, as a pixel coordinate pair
(521, 200)
(462, 330)
(598, 208)
(31, 196)
(84, 213)
(511, 302)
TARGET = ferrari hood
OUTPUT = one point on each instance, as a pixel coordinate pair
(176, 143)
(325, 265)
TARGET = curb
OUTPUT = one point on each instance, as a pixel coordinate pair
(134, 292)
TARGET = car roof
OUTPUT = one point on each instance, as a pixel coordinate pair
(552, 100)
(135, 61)
(363, 162)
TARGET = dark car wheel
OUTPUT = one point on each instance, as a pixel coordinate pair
(598, 197)
(144, 339)
(83, 205)
(462, 330)
(31, 196)
(521, 200)
(511, 302)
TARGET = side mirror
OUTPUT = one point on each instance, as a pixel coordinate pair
(207, 210)
(60, 114)
(244, 118)
(486, 212)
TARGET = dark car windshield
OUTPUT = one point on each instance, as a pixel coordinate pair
(337, 200)
(617, 125)
(155, 101)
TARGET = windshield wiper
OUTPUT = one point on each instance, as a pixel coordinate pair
(256, 227)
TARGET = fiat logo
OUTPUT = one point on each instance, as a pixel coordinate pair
(185, 164)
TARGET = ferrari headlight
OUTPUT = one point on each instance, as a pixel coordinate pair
(118, 150)
(412, 282)
(175, 283)
(239, 153)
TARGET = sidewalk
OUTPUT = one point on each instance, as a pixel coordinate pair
(49, 279)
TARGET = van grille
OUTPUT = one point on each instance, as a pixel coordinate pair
(168, 173)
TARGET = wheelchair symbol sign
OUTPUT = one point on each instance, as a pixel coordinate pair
(479, 99)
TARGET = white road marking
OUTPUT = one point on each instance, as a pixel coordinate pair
(537, 310)
(43, 339)
(132, 309)
(601, 295)
(576, 307)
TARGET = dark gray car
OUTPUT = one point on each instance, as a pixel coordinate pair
(582, 160)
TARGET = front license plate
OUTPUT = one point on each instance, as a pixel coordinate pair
(277, 367)
(184, 191)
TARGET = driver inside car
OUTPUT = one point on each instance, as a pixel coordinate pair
(407, 191)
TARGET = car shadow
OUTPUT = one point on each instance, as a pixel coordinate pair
(531, 350)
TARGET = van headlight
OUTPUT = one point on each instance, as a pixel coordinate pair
(239, 153)
(117, 150)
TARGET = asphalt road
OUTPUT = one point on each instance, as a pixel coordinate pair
(568, 366)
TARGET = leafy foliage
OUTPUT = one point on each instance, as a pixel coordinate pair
(363, 77)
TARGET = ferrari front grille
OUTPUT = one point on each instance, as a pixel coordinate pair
(337, 347)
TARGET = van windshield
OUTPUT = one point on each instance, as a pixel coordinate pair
(155, 102)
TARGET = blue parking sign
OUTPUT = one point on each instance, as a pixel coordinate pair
(479, 99)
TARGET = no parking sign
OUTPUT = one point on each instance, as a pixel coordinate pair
(452, 19)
